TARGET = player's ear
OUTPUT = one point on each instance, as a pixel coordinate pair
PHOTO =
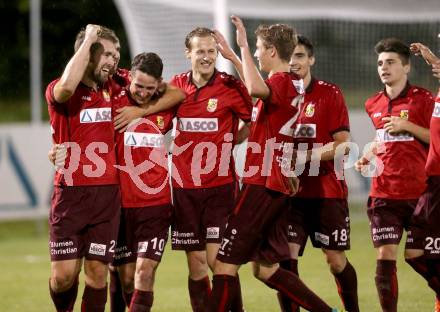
(187, 53)
(130, 75)
(407, 68)
(312, 60)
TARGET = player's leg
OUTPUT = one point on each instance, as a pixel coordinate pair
(188, 235)
(345, 277)
(117, 302)
(144, 282)
(151, 234)
(63, 283)
(386, 228)
(290, 285)
(291, 265)
(103, 211)
(331, 233)
(225, 287)
(126, 275)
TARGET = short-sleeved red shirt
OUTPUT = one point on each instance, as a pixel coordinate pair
(85, 120)
(404, 158)
(323, 114)
(433, 163)
(207, 125)
(273, 125)
(143, 143)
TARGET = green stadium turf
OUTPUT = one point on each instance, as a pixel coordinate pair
(25, 269)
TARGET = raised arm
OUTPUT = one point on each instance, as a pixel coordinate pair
(420, 49)
(252, 78)
(229, 54)
(74, 71)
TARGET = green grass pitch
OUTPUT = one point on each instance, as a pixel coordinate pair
(24, 264)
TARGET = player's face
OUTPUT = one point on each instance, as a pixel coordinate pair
(301, 62)
(262, 53)
(390, 68)
(203, 54)
(142, 86)
(104, 61)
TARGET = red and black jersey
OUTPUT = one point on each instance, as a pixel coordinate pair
(272, 128)
(85, 121)
(206, 129)
(323, 114)
(143, 158)
(403, 156)
(433, 163)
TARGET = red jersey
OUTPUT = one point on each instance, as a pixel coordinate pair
(273, 124)
(206, 129)
(403, 156)
(142, 146)
(85, 121)
(433, 163)
(323, 114)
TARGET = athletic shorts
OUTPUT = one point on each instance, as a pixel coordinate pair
(256, 230)
(143, 233)
(83, 222)
(325, 220)
(428, 213)
(200, 216)
(388, 219)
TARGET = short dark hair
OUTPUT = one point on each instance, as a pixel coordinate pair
(103, 33)
(197, 32)
(304, 41)
(148, 63)
(281, 36)
(394, 45)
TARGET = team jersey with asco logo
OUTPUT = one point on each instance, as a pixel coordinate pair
(85, 120)
(433, 163)
(206, 129)
(323, 114)
(403, 156)
(273, 124)
(142, 152)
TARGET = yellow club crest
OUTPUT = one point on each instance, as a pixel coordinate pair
(160, 122)
(404, 114)
(106, 95)
(212, 105)
(310, 110)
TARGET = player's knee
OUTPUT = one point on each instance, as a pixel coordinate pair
(127, 282)
(96, 273)
(262, 272)
(336, 260)
(387, 252)
(145, 275)
(62, 281)
(197, 265)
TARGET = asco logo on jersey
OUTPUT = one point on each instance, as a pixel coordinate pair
(93, 115)
(198, 124)
(436, 112)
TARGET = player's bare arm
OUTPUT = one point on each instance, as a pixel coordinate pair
(229, 54)
(127, 114)
(243, 131)
(367, 157)
(328, 151)
(436, 70)
(74, 71)
(423, 51)
(395, 124)
(252, 79)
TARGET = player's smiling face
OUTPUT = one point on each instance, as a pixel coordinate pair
(104, 61)
(142, 86)
(203, 54)
(301, 62)
(262, 53)
(390, 68)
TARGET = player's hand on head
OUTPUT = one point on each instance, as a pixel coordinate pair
(421, 50)
(92, 32)
(240, 31)
(223, 46)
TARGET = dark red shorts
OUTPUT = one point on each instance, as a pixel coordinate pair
(257, 230)
(143, 233)
(388, 219)
(200, 216)
(428, 213)
(325, 220)
(83, 222)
